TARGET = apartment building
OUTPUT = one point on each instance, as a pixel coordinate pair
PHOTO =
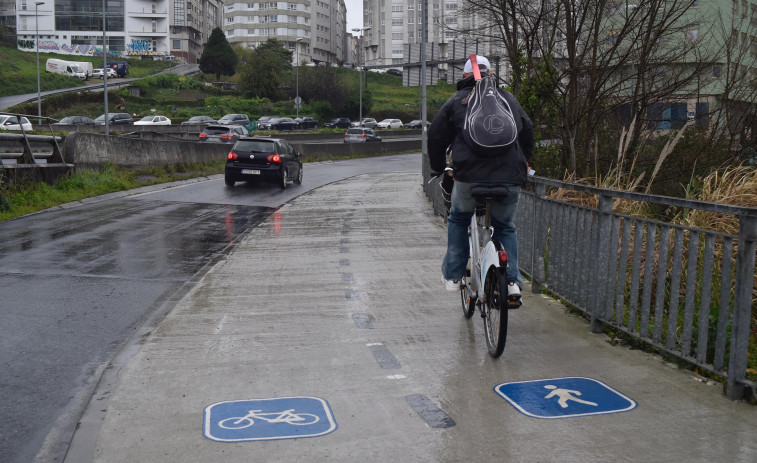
(191, 23)
(317, 27)
(396, 32)
(8, 13)
(133, 28)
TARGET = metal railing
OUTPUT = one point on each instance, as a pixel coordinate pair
(686, 291)
(25, 154)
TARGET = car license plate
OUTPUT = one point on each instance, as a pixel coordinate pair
(250, 172)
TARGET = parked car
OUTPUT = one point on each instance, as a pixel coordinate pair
(115, 119)
(367, 122)
(8, 122)
(307, 123)
(234, 119)
(415, 124)
(263, 159)
(360, 135)
(389, 124)
(199, 120)
(75, 120)
(394, 72)
(339, 122)
(154, 120)
(223, 133)
(279, 123)
(98, 73)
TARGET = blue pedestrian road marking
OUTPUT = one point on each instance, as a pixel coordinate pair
(564, 397)
(268, 419)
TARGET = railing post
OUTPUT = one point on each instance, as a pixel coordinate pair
(601, 259)
(537, 252)
(742, 306)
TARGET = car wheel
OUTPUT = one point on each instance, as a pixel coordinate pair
(284, 180)
(298, 180)
(229, 181)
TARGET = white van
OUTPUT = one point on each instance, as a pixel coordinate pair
(85, 66)
(68, 68)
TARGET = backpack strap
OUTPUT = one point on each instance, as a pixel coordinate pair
(474, 64)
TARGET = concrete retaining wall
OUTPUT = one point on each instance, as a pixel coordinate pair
(88, 151)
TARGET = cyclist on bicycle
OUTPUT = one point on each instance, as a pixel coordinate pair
(508, 170)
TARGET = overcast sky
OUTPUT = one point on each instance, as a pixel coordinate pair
(354, 15)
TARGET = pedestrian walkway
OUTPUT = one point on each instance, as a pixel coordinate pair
(328, 321)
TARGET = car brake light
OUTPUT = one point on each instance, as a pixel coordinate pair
(228, 136)
(232, 156)
(202, 135)
(274, 158)
(363, 135)
(345, 134)
(502, 256)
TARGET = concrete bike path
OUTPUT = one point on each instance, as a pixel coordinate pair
(336, 299)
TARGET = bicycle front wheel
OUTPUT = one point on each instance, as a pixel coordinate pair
(495, 311)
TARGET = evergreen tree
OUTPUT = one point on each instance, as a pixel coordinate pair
(218, 57)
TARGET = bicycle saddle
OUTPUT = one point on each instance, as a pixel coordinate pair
(481, 191)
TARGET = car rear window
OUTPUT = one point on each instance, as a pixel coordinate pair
(216, 130)
(255, 146)
(354, 131)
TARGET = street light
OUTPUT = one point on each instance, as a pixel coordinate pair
(297, 99)
(39, 88)
(360, 68)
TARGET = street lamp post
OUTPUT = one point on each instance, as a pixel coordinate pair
(360, 68)
(39, 87)
(297, 99)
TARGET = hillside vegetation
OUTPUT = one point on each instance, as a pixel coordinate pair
(19, 71)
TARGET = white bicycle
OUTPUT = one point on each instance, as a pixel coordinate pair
(485, 283)
(286, 416)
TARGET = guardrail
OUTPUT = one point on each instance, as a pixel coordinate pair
(687, 292)
(32, 155)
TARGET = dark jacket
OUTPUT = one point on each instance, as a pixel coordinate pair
(447, 129)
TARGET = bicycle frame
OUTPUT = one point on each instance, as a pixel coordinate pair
(482, 257)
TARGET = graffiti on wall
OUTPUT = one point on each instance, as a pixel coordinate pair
(141, 48)
(66, 49)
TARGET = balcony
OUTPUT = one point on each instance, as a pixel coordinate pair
(147, 12)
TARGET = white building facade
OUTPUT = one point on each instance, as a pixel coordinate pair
(134, 28)
(397, 26)
(318, 24)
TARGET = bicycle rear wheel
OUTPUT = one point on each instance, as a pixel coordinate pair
(495, 311)
(467, 298)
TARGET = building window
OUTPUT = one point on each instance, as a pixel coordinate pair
(717, 70)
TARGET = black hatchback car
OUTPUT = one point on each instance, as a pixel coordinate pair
(307, 123)
(263, 159)
(339, 122)
(115, 119)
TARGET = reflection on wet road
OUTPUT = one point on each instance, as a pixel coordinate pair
(77, 282)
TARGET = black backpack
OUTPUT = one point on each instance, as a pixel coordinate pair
(489, 122)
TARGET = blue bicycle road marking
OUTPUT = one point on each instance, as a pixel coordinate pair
(564, 397)
(268, 419)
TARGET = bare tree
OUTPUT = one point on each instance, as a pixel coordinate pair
(608, 56)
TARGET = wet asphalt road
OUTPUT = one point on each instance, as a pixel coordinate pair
(78, 282)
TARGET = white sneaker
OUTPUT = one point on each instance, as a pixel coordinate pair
(513, 291)
(452, 286)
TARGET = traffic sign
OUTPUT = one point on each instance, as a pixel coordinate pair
(268, 419)
(564, 397)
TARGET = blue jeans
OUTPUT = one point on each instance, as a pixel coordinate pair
(502, 214)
